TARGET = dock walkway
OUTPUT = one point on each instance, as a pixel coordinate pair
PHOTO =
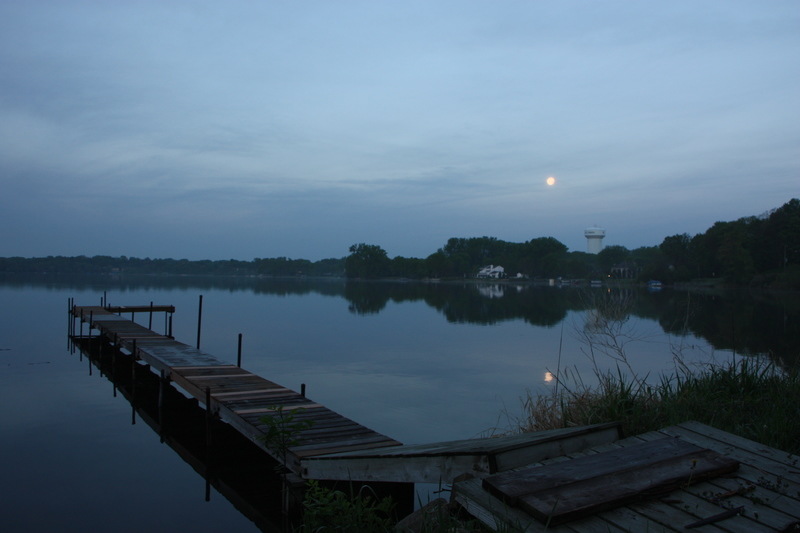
(237, 396)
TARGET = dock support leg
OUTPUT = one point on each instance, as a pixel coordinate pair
(292, 494)
(209, 458)
(163, 383)
(133, 384)
(209, 419)
(199, 320)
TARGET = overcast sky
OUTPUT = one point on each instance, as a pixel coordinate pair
(245, 129)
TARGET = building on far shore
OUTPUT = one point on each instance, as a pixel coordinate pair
(491, 271)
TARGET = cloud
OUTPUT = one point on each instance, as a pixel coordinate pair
(201, 130)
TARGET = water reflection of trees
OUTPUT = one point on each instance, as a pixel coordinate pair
(745, 322)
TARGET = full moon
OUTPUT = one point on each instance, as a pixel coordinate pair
(551, 181)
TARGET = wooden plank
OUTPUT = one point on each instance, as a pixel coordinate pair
(254, 395)
(267, 410)
(558, 504)
(140, 308)
(444, 461)
(514, 484)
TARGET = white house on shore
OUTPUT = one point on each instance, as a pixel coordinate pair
(491, 271)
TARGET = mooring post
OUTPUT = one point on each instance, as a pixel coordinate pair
(199, 320)
(150, 323)
(170, 326)
(239, 352)
(303, 390)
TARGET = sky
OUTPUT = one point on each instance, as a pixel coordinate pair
(244, 129)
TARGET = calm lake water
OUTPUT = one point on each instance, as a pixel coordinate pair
(418, 362)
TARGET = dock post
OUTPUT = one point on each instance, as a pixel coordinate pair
(133, 384)
(209, 420)
(69, 322)
(162, 391)
(199, 320)
(114, 366)
(239, 352)
(170, 327)
(303, 390)
(150, 323)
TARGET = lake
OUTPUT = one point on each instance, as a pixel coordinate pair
(417, 362)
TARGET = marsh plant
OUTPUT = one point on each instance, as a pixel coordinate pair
(745, 395)
(328, 509)
(282, 431)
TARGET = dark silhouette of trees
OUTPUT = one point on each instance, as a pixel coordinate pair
(757, 251)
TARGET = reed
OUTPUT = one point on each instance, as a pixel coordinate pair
(746, 396)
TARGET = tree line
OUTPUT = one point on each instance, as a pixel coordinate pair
(759, 251)
(101, 264)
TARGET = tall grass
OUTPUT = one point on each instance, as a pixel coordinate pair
(747, 396)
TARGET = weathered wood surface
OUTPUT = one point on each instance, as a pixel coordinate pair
(585, 485)
(444, 461)
(766, 485)
(239, 397)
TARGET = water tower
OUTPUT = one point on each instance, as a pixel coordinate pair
(594, 239)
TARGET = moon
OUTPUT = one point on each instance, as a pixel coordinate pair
(551, 181)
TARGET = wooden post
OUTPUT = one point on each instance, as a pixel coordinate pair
(170, 326)
(91, 319)
(239, 352)
(303, 390)
(133, 382)
(162, 391)
(209, 420)
(150, 323)
(114, 366)
(199, 320)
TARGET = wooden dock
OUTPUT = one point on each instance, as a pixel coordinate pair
(681, 477)
(237, 396)
(331, 447)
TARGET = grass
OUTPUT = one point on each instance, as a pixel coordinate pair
(746, 397)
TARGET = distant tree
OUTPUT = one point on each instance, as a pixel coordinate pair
(367, 261)
(611, 256)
